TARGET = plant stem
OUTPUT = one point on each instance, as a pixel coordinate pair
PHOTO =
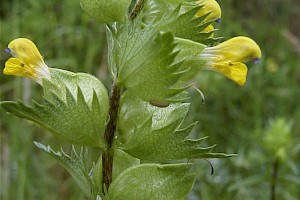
(275, 166)
(107, 157)
(137, 9)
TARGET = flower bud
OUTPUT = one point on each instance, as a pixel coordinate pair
(211, 8)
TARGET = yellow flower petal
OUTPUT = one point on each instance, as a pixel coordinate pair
(234, 71)
(210, 7)
(237, 49)
(14, 66)
(27, 61)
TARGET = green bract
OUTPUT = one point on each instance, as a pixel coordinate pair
(151, 133)
(150, 62)
(75, 108)
(180, 17)
(76, 166)
(178, 23)
(106, 10)
(123, 161)
(153, 181)
(147, 64)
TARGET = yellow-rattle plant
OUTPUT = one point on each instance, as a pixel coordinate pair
(155, 50)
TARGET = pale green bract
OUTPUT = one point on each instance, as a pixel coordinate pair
(123, 161)
(179, 22)
(153, 181)
(147, 66)
(75, 164)
(152, 133)
(105, 11)
(75, 108)
(150, 62)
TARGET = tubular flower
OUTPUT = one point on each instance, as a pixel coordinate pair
(26, 61)
(227, 58)
(211, 8)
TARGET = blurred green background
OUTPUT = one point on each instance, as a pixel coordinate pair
(259, 121)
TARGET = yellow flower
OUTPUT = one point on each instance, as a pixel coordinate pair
(227, 58)
(26, 62)
(210, 7)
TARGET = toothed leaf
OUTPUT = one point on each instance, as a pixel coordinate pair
(218, 155)
(146, 64)
(164, 144)
(151, 133)
(153, 181)
(75, 108)
(75, 165)
(105, 11)
(134, 112)
(61, 80)
(190, 55)
(122, 161)
(183, 23)
(97, 175)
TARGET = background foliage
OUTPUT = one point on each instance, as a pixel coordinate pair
(236, 118)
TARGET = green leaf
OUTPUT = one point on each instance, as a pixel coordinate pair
(190, 56)
(183, 24)
(134, 112)
(162, 7)
(105, 11)
(146, 64)
(75, 108)
(62, 80)
(153, 181)
(217, 155)
(98, 175)
(157, 9)
(151, 133)
(112, 45)
(167, 143)
(122, 161)
(75, 165)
